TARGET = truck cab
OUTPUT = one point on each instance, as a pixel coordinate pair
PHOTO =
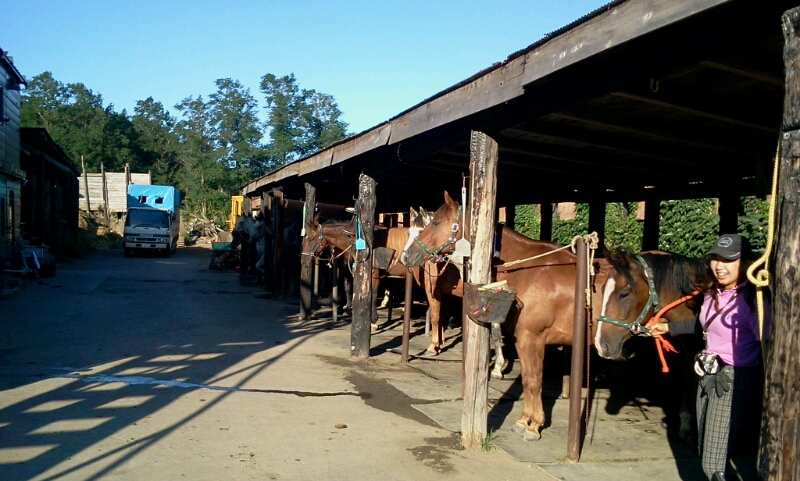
(152, 222)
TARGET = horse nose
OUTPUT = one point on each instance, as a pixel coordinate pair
(411, 258)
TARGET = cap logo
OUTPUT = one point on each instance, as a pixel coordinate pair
(725, 242)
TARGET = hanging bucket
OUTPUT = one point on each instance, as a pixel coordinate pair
(490, 303)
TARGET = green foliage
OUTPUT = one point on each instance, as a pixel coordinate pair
(489, 442)
(526, 220)
(299, 121)
(565, 230)
(753, 222)
(208, 152)
(622, 228)
(688, 227)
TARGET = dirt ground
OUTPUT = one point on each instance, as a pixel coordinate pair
(156, 368)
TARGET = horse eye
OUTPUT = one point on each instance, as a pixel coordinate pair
(624, 293)
(435, 222)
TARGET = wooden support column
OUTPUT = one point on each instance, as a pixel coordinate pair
(362, 277)
(578, 350)
(546, 225)
(107, 215)
(277, 251)
(334, 292)
(729, 208)
(597, 221)
(407, 305)
(780, 427)
(86, 186)
(482, 207)
(652, 218)
(307, 262)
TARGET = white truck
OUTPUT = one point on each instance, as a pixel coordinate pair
(152, 221)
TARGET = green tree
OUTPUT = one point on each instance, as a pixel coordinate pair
(156, 137)
(688, 227)
(299, 121)
(233, 118)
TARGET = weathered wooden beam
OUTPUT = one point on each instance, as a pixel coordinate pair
(695, 112)
(780, 437)
(597, 219)
(729, 207)
(632, 127)
(363, 305)
(652, 218)
(306, 262)
(546, 224)
(278, 205)
(747, 73)
(482, 208)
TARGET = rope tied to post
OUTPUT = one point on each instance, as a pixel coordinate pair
(761, 279)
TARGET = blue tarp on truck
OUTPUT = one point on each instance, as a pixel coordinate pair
(163, 197)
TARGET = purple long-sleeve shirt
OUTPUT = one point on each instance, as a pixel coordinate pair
(734, 332)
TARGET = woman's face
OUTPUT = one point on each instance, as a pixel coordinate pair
(726, 272)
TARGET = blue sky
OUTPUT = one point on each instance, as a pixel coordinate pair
(376, 58)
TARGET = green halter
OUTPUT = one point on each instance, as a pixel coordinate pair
(450, 240)
(636, 326)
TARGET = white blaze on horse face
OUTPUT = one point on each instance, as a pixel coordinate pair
(413, 233)
(609, 289)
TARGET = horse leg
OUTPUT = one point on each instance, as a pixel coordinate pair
(348, 293)
(435, 310)
(500, 362)
(530, 349)
(376, 279)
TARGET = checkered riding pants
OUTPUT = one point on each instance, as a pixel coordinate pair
(723, 421)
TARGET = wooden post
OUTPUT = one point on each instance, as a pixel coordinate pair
(277, 256)
(780, 427)
(306, 262)
(315, 293)
(597, 221)
(105, 193)
(729, 207)
(334, 292)
(127, 175)
(363, 304)
(482, 208)
(652, 218)
(578, 348)
(86, 186)
(546, 224)
(407, 313)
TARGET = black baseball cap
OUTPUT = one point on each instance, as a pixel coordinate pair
(729, 246)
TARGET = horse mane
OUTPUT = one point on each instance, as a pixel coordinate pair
(670, 270)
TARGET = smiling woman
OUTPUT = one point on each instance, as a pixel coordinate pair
(730, 370)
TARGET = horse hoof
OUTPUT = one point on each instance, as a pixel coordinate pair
(519, 427)
(529, 435)
(373, 328)
(432, 351)
(496, 376)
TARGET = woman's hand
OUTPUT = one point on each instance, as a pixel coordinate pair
(659, 329)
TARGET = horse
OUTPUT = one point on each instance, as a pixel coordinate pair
(341, 235)
(545, 291)
(629, 298)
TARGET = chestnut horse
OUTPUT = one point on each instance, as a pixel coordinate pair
(545, 287)
(341, 235)
(630, 299)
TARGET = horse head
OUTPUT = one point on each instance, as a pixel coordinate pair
(637, 286)
(314, 241)
(438, 237)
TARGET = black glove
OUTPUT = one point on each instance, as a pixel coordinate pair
(722, 383)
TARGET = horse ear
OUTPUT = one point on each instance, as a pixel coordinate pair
(447, 199)
(412, 215)
(316, 217)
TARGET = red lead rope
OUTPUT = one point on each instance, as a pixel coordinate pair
(661, 343)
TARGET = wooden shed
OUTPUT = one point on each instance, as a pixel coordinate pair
(640, 100)
(50, 193)
(11, 175)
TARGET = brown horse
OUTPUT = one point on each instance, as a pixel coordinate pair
(341, 235)
(545, 288)
(629, 300)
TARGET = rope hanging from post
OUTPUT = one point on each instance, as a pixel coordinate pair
(761, 279)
